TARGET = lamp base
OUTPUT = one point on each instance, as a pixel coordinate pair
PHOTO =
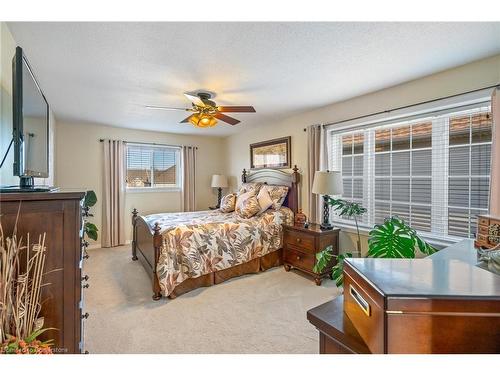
(326, 226)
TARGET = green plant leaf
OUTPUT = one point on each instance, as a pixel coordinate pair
(322, 259)
(91, 231)
(395, 239)
(35, 334)
(90, 199)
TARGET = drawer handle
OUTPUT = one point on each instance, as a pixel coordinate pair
(298, 240)
(298, 257)
(365, 306)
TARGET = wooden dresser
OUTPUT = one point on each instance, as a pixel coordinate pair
(300, 246)
(447, 302)
(58, 215)
(488, 231)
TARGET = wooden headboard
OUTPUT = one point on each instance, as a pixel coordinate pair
(277, 177)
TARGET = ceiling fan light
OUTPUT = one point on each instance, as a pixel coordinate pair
(203, 121)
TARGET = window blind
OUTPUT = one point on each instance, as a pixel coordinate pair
(432, 171)
(149, 166)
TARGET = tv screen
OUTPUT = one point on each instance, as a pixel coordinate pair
(30, 122)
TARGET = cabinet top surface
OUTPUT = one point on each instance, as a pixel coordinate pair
(452, 272)
(312, 229)
(40, 196)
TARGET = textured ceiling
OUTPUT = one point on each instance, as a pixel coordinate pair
(107, 72)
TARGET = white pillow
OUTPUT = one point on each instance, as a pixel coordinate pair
(242, 198)
(264, 199)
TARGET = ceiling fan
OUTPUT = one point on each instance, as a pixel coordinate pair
(205, 111)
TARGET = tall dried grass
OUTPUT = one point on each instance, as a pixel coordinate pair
(21, 282)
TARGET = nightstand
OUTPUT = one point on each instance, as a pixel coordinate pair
(300, 246)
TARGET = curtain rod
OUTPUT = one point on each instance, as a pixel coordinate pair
(149, 143)
(409, 106)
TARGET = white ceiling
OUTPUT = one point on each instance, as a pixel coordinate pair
(107, 72)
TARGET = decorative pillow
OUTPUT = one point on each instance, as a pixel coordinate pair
(277, 194)
(247, 205)
(240, 198)
(228, 203)
(250, 186)
(264, 199)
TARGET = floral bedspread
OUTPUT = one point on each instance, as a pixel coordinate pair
(198, 243)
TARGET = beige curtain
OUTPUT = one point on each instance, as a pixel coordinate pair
(188, 202)
(495, 155)
(113, 199)
(315, 162)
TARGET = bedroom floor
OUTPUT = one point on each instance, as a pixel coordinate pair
(258, 313)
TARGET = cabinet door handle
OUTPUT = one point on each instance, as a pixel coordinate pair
(85, 316)
(298, 257)
(365, 306)
(298, 240)
(85, 286)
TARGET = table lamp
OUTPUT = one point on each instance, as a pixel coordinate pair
(219, 181)
(327, 183)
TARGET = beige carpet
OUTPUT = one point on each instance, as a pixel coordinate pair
(258, 313)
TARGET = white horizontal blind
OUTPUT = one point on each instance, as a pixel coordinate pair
(152, 166)
(433, 172)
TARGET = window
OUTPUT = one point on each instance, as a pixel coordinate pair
(432, 170)
(152, 167)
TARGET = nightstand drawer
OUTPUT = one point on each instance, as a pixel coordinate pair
(299, 259)
(301, 240)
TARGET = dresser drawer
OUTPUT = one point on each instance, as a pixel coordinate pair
(365, 307)
(299, 259)
(303, 240)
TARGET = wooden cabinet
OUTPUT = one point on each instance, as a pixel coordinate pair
(300, 246)
(58, 215)
(488, 231)
(444, 304)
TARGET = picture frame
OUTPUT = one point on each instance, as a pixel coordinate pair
(273, 154)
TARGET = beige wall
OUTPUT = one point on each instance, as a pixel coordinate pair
(7, 50)
(79, 166)
(458, 80)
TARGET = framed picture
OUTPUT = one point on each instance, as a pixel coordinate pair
(275, 153)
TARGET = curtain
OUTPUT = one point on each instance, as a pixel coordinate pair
(188, 202)
(495, 155)
(316, 155)
(113, 200)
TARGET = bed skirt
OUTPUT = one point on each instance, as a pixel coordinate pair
(256, 265)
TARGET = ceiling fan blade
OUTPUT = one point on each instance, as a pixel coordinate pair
(187, 119)
(195, 99)
(223, 117)
(167, 108)
(236, 108)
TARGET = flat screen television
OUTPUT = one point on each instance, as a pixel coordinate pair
(30, 126)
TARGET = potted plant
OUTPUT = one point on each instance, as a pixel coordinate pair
(21, 282)
(89, 201)
(351, 210)
(392, 239)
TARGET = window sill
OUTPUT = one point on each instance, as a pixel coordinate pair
(153, 190)
(438, 242)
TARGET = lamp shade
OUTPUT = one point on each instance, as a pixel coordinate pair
(219, 181)
(327, 183)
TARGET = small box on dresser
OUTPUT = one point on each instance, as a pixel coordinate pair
(488, 231)
(300, 246)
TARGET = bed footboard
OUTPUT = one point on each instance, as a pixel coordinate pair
(146, 246)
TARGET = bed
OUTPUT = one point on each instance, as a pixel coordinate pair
(187, 250)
